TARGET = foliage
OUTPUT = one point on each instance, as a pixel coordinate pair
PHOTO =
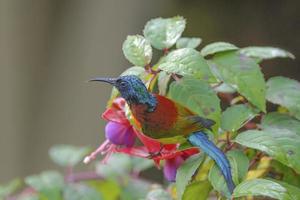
(221, 82)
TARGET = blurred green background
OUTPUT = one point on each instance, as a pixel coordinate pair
(48, 48)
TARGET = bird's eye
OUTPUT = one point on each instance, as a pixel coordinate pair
(123, 84)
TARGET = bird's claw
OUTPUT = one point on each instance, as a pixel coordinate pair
(153, 155)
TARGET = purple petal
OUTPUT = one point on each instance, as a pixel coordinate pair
(120, 134)
(171, 166)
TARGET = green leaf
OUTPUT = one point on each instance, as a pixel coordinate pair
(135, 70)
(121, 165)
(137, 50)
(162, 82)
(198, 96)
(48, 183)
(239, 166)
(234, 117)
(239, 163)
(243, 74)
(109, 189)
(194, 189)
(164, 32)
(186, 42)
(285, 92)
(293, 192)
(214, 70)
(186, 171)
(158, 193)
(267, 188)
(278, 120)
(118, 165)
(11, 187)
(225, 88)
(80, 192)
(217, 47)
(135, 189)
(67, 155)
(263, 53)
(286, 173)
(281, 144)
(187, 62)
(141, 164)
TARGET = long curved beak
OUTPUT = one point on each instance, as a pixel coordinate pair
(111, 81)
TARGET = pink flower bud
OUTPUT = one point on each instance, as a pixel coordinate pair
(171, 166)
(120, 134)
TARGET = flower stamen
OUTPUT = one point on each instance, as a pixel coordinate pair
(99, 150)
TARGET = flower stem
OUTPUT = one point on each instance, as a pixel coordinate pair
(83, 176)
(93, 155)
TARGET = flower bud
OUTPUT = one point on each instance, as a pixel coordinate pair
(171, 166)
(120, 134)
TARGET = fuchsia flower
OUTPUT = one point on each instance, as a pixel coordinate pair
(118, 129)
(121, 137)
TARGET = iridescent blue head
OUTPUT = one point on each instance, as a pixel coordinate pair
(132, 89)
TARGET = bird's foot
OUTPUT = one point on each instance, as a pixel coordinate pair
(155, 154)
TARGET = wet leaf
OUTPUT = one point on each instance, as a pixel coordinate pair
(287, 174)
(281, 144)
(187, 62)
(267, 188)
(243, 74)
(137, 50)
(263, 53)
(285, 92)
(225, 88)
(162, 82)
(164, 32)
(283, 121)
(217, 47)
(186, 42)
(234, 117)
(198, 96)
(239, 166)
(186, 171)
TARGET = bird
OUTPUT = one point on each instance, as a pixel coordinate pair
(167, 121)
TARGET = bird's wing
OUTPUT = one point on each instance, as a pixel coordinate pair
(204, 122)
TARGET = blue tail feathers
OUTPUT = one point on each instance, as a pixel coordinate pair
(201, 140)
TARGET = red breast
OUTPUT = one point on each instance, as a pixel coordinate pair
(162, 118)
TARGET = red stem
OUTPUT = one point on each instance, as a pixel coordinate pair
(255, 160)
(166, 51)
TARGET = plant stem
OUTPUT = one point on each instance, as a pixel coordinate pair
(255, 159)
(166, 51)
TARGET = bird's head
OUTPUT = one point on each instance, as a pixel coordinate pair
(132, 89)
